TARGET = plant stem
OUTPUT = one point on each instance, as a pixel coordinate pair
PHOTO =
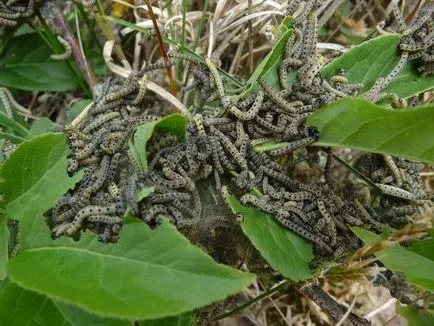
(172, 84)
(65, 32)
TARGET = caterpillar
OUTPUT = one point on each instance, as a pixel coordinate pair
(68, 50)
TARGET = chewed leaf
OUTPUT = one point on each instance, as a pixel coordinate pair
(147, 274)
(359, 124)
(285, 251)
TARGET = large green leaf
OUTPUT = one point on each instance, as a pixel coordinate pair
(356, 123)
(364, 63)
(417, 269)
(285, 251)
(34, 176)
(147, 274)
(26, 64)
(173, 123)
(4, 238)
(21, 307)
(424, 247)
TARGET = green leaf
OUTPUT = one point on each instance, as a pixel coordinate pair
(364, 63)
(410, 82)
(79, 317)
(269, 146)
(26, 64)
(35, 176)
(77, 107)
(4, 239)
(143, 193)
(416, 317)
(16, 128)
(41, 126)
(424, 247)
(367, 62)
(75, 316)
(358, 124)
(185, 319)
(173, 123)
(417, 269)
(21, 307)
(285, 251)
(147, 274)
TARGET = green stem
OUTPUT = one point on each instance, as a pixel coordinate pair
(356, 172)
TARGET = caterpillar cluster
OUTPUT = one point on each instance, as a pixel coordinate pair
(12, 11)
(418, 37)
(98, 143)
(399, 181)
(220, 146)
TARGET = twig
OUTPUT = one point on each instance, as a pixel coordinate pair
(333, 309)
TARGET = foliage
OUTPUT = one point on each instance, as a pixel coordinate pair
(30, 67)
(274, 242)
(359, 124)
(35, 176)
(4, 237)
(415, 317)
(417, 268)
(134, 270)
